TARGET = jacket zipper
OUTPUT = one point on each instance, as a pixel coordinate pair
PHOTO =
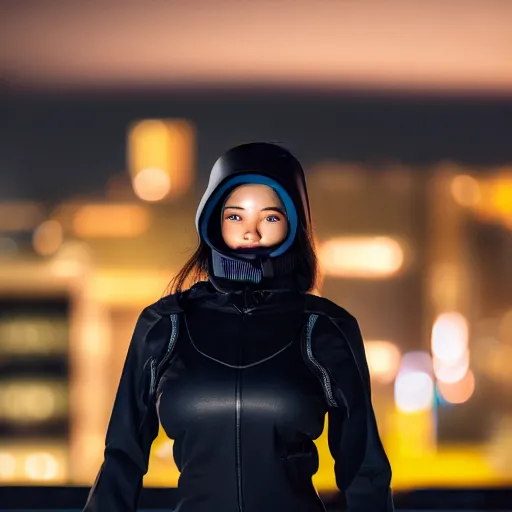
(324, 379)
(238, 443)
(155, 369)
(238, 411)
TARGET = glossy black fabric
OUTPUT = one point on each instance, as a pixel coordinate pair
(244, 436)
(264, 459)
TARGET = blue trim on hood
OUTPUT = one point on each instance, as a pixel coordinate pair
(243, 179)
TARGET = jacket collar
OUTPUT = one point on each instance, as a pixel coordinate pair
(233, 296)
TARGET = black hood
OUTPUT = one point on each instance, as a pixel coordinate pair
(262, 159)
(262, 163)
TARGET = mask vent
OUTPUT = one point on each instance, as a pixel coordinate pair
(234, 269)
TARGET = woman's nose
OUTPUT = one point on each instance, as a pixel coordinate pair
(252, 234)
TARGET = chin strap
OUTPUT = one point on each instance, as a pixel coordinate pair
(239, 268)
(236, 269)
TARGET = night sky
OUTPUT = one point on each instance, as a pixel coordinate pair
(52, 147)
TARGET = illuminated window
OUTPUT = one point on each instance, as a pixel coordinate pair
(161, 156)
(34, 388)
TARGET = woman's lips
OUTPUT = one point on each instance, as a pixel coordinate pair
(252, 246)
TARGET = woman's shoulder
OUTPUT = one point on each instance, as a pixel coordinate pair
(174, 303)
(166, 305)
(322, 306)
(341, 329)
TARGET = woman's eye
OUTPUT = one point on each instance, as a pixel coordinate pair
(273, 218)
(233, 216)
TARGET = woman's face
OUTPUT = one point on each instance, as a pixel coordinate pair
(253, 216)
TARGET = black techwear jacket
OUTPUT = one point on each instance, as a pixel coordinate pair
(242, 377)
(242, 446)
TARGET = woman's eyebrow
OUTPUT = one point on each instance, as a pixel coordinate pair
(274, 209)
(266, 209)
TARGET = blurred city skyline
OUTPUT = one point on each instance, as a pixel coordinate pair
(56, 146)
(112, 116)
(415, 83)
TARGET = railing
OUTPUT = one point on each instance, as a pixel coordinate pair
(72, 499)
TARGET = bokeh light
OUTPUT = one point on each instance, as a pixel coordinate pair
(361, 257)
(152, 184)
(48, 238)
(414, 385)
(450, 337)
(111, 220)
(41, 466)
(459, 391)
(466, 190)
(414, 391)
(451, 371)
(383, 360)
(7, 465)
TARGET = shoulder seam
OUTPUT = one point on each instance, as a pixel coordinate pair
(168, 305)
(343, 314)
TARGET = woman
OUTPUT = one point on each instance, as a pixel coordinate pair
(241, 368)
